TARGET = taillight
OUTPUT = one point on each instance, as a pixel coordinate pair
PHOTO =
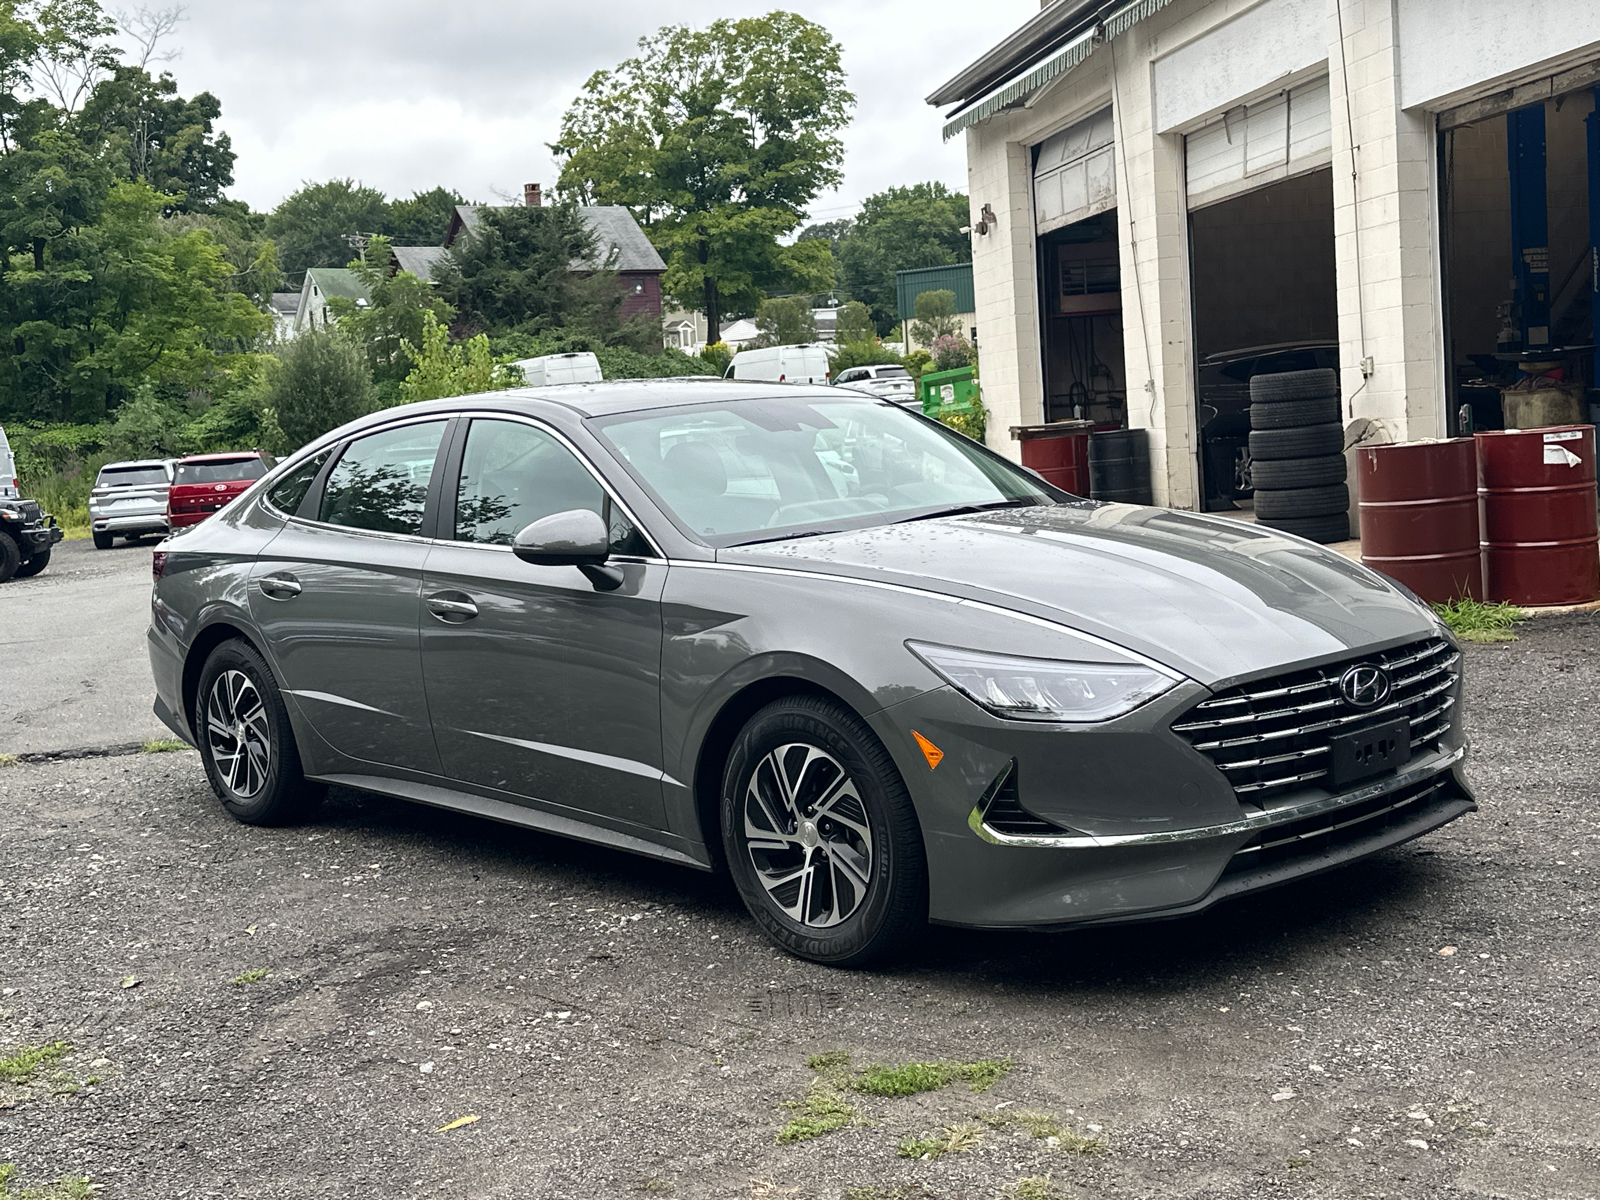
(158, 564)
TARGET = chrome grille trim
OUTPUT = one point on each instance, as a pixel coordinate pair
(1257, 734)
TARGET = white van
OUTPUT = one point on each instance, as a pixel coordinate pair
(560, 368)
(804, 363)
(9, 487)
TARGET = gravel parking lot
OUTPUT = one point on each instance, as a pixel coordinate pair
(243, 1012)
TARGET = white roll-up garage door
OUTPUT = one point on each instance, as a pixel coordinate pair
(1256, 144)
(1074, 176)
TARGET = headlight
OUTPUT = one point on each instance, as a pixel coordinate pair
(1041, 689)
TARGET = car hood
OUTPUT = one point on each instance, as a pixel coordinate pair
(1217, 599)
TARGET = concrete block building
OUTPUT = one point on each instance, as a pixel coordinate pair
(1171, 195)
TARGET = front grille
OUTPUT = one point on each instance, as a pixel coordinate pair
(1329, 831)
(1271, 736)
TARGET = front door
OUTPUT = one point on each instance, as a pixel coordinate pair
(338, 599)
(540, 685)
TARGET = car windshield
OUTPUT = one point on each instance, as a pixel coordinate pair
(221, 472)
(131, 476)
(734, 473)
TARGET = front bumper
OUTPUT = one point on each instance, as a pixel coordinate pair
(39, 538)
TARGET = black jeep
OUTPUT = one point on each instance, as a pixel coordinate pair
(27, 535)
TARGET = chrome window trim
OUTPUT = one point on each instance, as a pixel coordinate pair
(470, 415)
(339, 448)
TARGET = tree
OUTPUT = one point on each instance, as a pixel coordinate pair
(854, 324)
(393, 317)
(443, 370)
(899, 230)
(424, 219)
(311, 225)
(832, 232)
(321, 382)
(717, 139)
(162, 139)
(786, 321)
(936, 316)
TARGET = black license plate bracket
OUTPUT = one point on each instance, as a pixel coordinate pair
(1364, 753)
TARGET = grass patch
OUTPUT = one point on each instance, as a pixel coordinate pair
(1036, 1187)
(822, 1111)
(1474, 621)
(68, 1187)
(1047, 1127)
(253, 975)
(162, 746)
(953, 1140)
(908, 1079)
(22, 1065)
(654, 1186)
(9, 760)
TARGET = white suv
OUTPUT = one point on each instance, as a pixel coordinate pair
(888, 380)
(129, 499)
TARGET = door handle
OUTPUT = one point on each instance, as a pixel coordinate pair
(279, 587)
(452, 607)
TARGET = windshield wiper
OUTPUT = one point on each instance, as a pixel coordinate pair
(784, 537)
(957, 510)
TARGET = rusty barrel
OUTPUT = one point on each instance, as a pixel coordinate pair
(1536, 490)
(1419, 516)
(1059, 451)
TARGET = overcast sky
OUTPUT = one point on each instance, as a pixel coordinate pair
(405, 95)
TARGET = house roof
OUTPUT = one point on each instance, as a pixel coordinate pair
(285, 303)
(619, 242)
(1054, 25)
(419, 260)
(337, 281)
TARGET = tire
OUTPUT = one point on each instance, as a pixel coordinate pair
(34, 565)
(1279, 473)
(871, 899)
(266, 785)
(1309, 441)
(1291, 414)
(1302, 502)
(10, 557)
(1335, 527)
(102, 541)
(1294, 385)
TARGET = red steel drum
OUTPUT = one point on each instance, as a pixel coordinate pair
(1059, 451)
(1537, 492)
(1419, 516)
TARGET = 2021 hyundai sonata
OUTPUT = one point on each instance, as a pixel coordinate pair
(880, 674)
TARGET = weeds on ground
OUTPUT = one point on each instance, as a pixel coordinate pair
(822, 1111)
(953, 1140)
(22, 1065)
(1474, 621)
(1035, 1187)
(9, 760)
(654, 1186)
(68, 1187)
(162, 746)
(908, 1079)
(253, 975)
(1047, 1127)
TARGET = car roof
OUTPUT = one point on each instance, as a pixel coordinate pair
(607, 398)
(137, 462)
(230, 456)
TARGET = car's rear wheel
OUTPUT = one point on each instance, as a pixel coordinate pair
(246, 741)
(821, 836)
(102, 541)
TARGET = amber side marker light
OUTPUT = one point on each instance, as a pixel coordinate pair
(932, 753)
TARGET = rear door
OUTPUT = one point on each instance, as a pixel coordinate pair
(337, 596)
(540, 685)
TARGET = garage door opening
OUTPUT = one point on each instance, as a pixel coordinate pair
(1520, 272)
(1264, 297)
(1082, 305)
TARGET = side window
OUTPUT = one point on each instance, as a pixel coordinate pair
(513, 474)
(381, 481)
(287, 494)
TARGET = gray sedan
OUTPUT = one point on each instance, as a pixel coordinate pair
(877, 673)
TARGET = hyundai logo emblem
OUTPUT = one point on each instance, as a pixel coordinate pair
(1364, 686)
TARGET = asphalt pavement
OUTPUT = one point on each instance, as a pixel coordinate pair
(74, 673)
(307, 1012)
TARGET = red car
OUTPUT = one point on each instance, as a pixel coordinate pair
(205, 482)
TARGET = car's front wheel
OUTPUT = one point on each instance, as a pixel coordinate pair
(39, 561)
(821, 836)
(246, 741)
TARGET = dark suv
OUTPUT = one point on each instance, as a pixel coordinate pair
(27, 534)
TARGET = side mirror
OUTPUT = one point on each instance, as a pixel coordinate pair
(578, 538)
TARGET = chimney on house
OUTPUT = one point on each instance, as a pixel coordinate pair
(530, 195)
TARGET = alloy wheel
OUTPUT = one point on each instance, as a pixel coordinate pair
(238, 733)
(807, 834)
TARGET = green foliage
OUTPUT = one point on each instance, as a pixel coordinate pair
(253, 975)
(908, 1079)
(68, 1187)
(936, 317)
(716, 356)
(394, 315)
(310, 225)
(974, 424)
(514, 272)
(899, 230)
(785, 321)
(822, 1111)
(1475, 621)
(717, 139)
(159, 138)
(854, 323)
(832, 232)
(953, 1140)
(442, 369)
(20, 1067)
(918, 362)
(951, 352)
(321, 382)
(424, 219)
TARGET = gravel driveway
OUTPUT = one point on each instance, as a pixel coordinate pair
(298, 1013)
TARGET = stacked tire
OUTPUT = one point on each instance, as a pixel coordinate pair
(1297, 463)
